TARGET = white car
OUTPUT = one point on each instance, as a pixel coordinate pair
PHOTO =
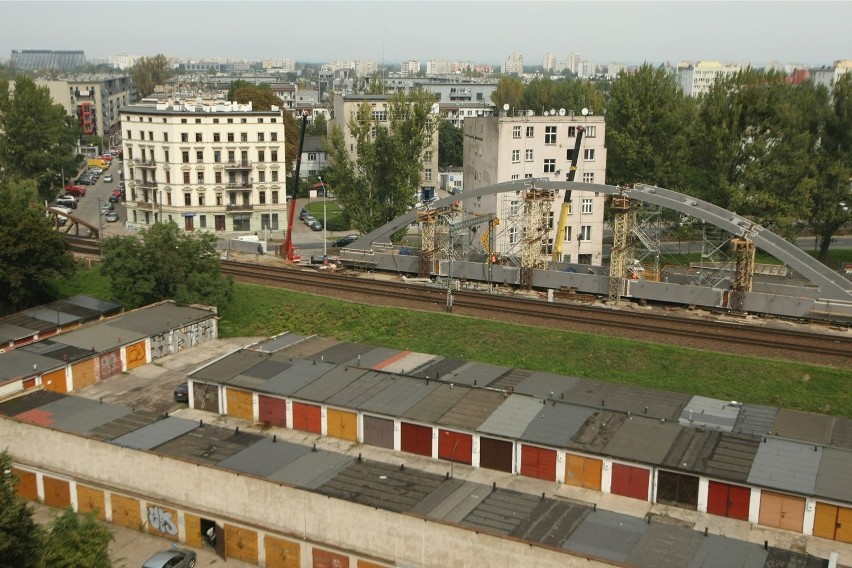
(107, 178)
(61, 209)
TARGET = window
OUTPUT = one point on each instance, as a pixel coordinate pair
(243, 136)
(516, 132)
(184, 137)
(586, 206)
(215, 121)
(230, 155)
(513, 235)
(427, 174)
(273, 155)
(427, 157)
(260, 121)
(380, 115)
(201, 199)
(202, 221)
(528, 155)
(261, 176)
(513, 207)
(217, 156)
(530, 131)
(273, 136)
(141, 135)
(183, 121)
(243, 120)
(166, 153)
(261, 156)
(199, 156)
(200, 176)
(550, 135)
(527, 176)
(185, 177)
(198, 137)
(261, 195)
(549, 165)
(151, 136)
(274, 195)
(589, 154)
(129, 137)
(185, 156)
(590, 131)
(589, 177)
(572, 131)
(230, 121)
(260, 137)
(312, 156)
(187, 199)
(197, 121)
(567, 236)
(274, 175)
(516, 156)
(515, 176)
(217, 177)
(230, 136)
(586, 233)
(215, 137)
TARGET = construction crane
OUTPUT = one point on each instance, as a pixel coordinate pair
(289, 251)
(487, 235)
(566, 203)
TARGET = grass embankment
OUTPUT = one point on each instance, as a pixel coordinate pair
(257, 310)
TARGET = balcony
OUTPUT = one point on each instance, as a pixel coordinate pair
(243, 165)
(146, 184)
(234, 207)
(148, 164)
(239, 185)
(146, 205)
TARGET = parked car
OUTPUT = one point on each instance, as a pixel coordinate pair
(303, 214)
(308, 220)
(96, 170)
(107, 157)
(107, 178)
(111, 217)
(174, 558)
(85, 180)
(106, 208)
(114, 198)
(182, 392)
(344, 241)
(315, 226)
(75, 190)
(67, 201)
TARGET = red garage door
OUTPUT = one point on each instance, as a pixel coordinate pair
(272, 410)
(495, 454)
(455, 446)
(728, 500)
(417, 439)
(538, 462)
(307, 417)
(630, 481)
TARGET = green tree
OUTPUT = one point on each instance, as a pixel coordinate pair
(379, 181)
(831, 198)
(236, 85)
(540, 95)
(450, 145)
(148, 72)
(318, 127)
(165, 263)
(509, 91)
(37, 137)
(33, 256)
(20, 536)
(647, 122)
(577, 94)
(75, 541)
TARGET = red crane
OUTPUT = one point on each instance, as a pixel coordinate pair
(289, 252)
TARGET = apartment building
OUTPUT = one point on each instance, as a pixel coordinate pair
(506, 148)
(218, 166)
(696, 79)
(346, 107)
(32, 59)
(830, 74)
(410, 67)
(515, 64)
(94, 99)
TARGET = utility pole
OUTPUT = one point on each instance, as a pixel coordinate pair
(100, 230)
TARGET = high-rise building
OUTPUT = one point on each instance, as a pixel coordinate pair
(438, 67)
(515, 64)
(32, 59)
(95, 100)
(696, 79)
(548, 62)
(410, 67)
(366, 68)
(123, 61)
(573, 62)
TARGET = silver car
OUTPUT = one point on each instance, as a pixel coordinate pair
(174, 558)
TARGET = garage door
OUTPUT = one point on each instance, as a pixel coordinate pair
(342, 425)
(91, 499)
(378, 431)
(239, 404)
(241, 544)
(57, 492)
(109, 364)
(272, 410)
(583, 472)
(782, 511)
(728, 500)
(205, 397)
(326, 559)
(833, 522)
(307, 418)
(83, 374)
(677, 489)
(496, 454)
(135, 354)
(281, 553)
(162, 521)
(416, 439)
(538, 462)
(455, 446)
(125, 511)
(26, 487)
(630, 481)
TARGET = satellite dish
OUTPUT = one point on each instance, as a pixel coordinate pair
(585, 111)
(553, 112)
(545, 113)
(506, 106)
(530, 113)
(562, 112)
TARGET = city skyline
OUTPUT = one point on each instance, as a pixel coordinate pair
(391, 32)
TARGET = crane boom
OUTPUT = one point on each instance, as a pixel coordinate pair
(291, 211)
(566, 202)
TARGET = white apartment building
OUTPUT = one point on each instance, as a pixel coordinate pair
(573, 62)
(283, 65)
(366, 68)
(123, 61)
(548, 62)
(507, 148)
(346, 108)
(829, 75)
(515, 64)
(410, 67)
(696, 80)
(439, 67)
(206, 167)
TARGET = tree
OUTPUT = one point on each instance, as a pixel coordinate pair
(510, 90)
(166, 263)
(74, 541)
(20, 536)
(540, 95)
(450, 145)
(379, 181)
(647, 121)
(33, 256)
(37, 137)
(236, 85)
(319, 126)
(148, 72)
(262, 98)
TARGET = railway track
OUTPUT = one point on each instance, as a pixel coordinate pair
(83, 245)
(713, 334)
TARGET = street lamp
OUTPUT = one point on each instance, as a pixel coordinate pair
(100, 230)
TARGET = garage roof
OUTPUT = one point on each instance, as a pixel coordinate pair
(643, 440)
(785, 465)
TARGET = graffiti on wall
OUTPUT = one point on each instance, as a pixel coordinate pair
(110, 364)
(160, 345)
(193, 334)
(162, 520)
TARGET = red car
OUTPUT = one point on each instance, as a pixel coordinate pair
(76, 190)
(107, 157)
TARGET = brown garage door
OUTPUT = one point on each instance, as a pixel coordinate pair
(416, 439)
(57, 492)
(26, 486)
(162, 521)
(833, 522)
(326, 559)
(83, 374)
(272, 410)
(109, 364)
(55, 381)
(583, 472)
(125, 511)
(241, 543)
(378, 432)
(91, 499)
(781, 511)
(342, 424)
(677, 489)
(135, 355)
(282, 553)
(496, 454)
(205, 397)
(239, 403)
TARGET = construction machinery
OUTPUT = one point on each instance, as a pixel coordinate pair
(290, 253)
(566, 202)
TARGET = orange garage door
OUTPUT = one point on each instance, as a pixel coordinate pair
(55, 381)
(781, 511)
(125, 511)
(241, 544)
(57, 492)
(833, 522)
(135, 355)
(239, 404)
(83, 374)
(26, 486)
(583, 472)
(281, 553)
(90, 499)
(342, 425)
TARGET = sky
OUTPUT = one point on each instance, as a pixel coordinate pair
(808, 33)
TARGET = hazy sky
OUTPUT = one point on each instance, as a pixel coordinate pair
(811, 33)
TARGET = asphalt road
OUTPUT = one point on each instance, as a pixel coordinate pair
(88, 208)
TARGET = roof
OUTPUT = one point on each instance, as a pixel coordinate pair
(502, 511)
(606, 535)
(511, 418)
(832, 480)
(627, 398)
(471, 410)
(555, 424)
(755, 420)
(439, 401)
(643, 440)
(710, 413)
(154, 434)
(803, 426)
(785, 465)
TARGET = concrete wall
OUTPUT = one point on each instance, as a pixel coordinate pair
(405, 539)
